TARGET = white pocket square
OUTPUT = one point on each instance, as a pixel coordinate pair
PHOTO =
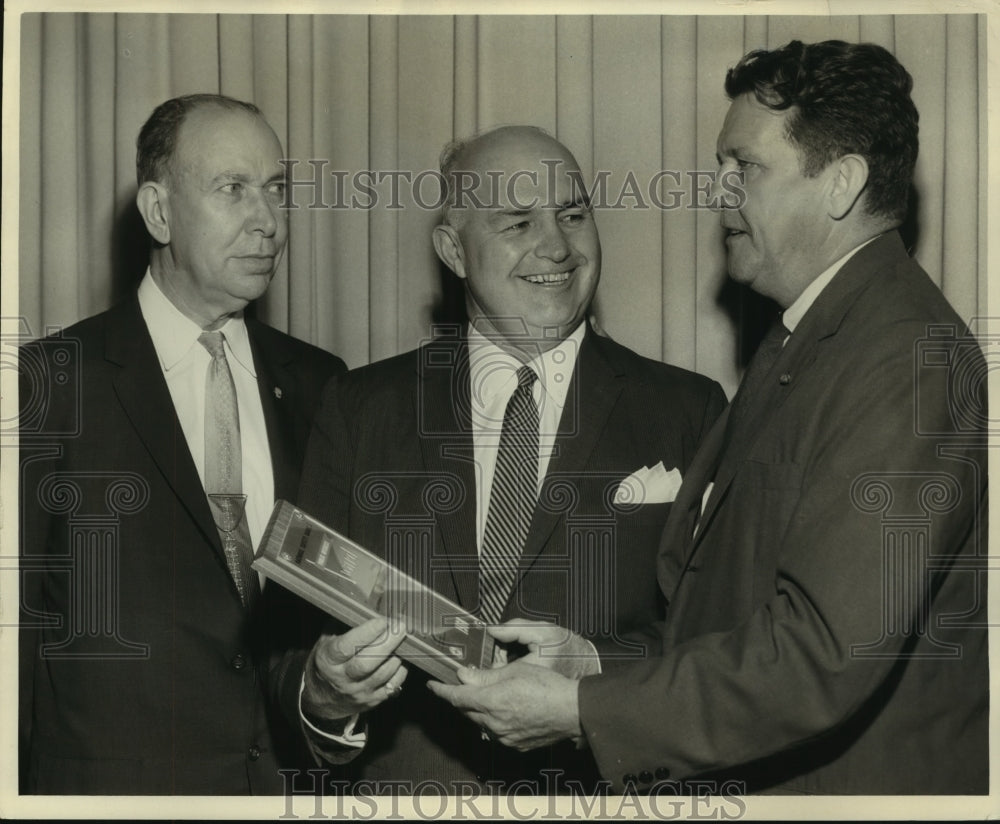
(649, 486)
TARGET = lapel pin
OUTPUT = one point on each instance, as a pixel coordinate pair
(277, 392)
(784, 380)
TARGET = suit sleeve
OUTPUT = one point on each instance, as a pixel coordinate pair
(788, 674)
(324, 493)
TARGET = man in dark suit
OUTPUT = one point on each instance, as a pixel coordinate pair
(146, 647)
(411, 457)
(824, 561)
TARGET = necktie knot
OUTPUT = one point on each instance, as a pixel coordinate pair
(522, 413)
(213, 342)
(526, 377)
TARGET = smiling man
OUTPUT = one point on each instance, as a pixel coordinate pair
(492, 464)
(146, 641)
(825, 560)
(528, 251)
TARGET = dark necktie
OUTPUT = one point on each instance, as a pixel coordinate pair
(753, 382)
(224, 468)
(512, 499)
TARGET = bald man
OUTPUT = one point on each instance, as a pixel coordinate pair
(554, 451)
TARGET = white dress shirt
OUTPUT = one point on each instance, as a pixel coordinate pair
(185, 363)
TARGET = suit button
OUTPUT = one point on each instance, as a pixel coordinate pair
(630, 778)
(662, 773)
(238, 662)
(645, 776)
(254, 752)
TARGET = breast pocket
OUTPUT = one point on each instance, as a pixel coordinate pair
(636, 544)
(642, 516)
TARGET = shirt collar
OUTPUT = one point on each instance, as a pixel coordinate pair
(492, 368)
(174, 333)
(793, 315)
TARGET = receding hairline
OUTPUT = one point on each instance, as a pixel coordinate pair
(157, 138)
(207, 108)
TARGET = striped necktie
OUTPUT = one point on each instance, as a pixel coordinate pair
(512, 499)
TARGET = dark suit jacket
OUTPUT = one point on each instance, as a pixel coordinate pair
(825, 631)
(390, 463)
(140, 672)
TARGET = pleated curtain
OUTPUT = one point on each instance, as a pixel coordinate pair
(635, 96)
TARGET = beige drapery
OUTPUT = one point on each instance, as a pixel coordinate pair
(628, 94)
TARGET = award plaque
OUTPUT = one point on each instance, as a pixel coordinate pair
(352, 584)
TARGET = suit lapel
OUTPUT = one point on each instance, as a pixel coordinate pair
(442, 406)
(145, 398)
(678, 532)
(821, 321)
(279, 397)
(593, 392)
(796, 356)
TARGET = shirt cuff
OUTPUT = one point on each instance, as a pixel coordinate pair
(348, 737)
(597, 659)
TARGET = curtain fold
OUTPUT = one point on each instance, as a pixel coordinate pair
(360, 103)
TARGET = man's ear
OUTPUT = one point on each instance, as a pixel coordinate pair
(153, 206)
(448, 246)
(850, 176)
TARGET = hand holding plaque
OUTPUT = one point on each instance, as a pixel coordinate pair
(354, 585)
(355, 672)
